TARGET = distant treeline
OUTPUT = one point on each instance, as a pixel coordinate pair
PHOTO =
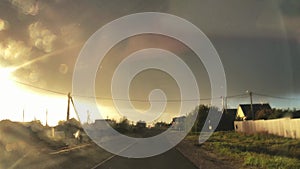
(226, 122)
(277, 113)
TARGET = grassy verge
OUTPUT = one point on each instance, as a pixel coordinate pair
(254, 151)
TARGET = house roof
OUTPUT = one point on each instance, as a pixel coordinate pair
(256, 107)
(230, 113)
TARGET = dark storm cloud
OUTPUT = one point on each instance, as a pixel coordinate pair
(250, 37)
(290, 7)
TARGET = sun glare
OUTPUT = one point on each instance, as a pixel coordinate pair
(5, 73)
(16, 99)
(5, 78)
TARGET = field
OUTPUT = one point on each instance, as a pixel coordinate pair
(237, 150)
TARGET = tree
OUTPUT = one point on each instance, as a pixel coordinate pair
(264, 114)
(123, 126)
(201, 112)
(69, 127)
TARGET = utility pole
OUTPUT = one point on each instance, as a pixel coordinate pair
(68, 110)
(46, 117)
(251, 104)
(23, 116)
(88, 117)
(225, 100)
(224, 103)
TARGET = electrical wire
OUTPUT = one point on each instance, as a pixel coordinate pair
(40, 88)
(238, 95)
(275, 97)
(144, 100)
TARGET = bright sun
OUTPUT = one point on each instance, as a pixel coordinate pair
(16, 98)
(5, 79)
(5, 73)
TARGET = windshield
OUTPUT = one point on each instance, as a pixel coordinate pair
(149, 84)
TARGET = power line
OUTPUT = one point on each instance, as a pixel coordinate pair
(40, 88)
(238, 95)
(276, 97)
(144, 100)
(117, 99)
(168, 100)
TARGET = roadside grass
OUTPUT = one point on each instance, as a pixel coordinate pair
(257, 150)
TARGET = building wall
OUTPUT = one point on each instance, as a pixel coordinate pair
(285, 127)
(240, 113)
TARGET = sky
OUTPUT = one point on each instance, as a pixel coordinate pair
(257, 41)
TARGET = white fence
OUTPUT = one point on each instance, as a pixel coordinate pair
(285, 127)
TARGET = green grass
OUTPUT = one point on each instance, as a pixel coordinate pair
(258, 151)
(268, 161)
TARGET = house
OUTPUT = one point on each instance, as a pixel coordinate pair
(227, 120)
(141, 124)
(244, 110)
(162, 125)
(178, 123)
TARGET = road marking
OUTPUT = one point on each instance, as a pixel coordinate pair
(109, 158)
(69, 149)
(104, 161)
(19, 160)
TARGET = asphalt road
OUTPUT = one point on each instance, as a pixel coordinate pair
(81, 158)
(172, 159)
(89, 157)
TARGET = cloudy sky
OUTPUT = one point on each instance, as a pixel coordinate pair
(257, 41)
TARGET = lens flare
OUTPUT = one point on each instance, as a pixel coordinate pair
(42, 57)
(41, 37)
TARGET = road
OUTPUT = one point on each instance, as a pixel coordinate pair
(84, 157)
(89, 157)
(171, 159)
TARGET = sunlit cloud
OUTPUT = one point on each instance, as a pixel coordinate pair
(27, 7)
(4, 25)
(41, 37)
(13, 52)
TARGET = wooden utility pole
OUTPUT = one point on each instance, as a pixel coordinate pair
(251, 104)
(225, 100)
(23, 116)
(68, 110)
(46, 117)
(224, 103)
(88, 117)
